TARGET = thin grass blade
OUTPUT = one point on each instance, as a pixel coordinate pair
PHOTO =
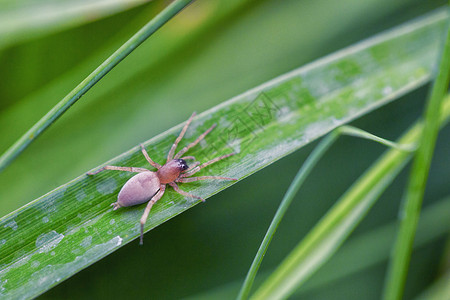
(303, 172)
(301, 176)
(331, 231)
(362, 252)
(137, 39)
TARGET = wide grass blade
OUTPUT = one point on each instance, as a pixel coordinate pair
(73, 226)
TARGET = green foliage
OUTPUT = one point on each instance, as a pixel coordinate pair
(137, 39)
(334, 228)
(288, 277)
(212, 51)
(364, 251)
(416, 187)
(21, 20)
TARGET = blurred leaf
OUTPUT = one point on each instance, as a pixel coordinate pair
(439, 290)
(297, 182)
(24, 19)
(374, 247)
(358, 254)
(73, 226)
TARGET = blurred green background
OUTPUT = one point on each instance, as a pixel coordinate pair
(212, 51)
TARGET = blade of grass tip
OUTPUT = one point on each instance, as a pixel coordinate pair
(409, 215)
(356, 132)
(137, 39)
(306, 168)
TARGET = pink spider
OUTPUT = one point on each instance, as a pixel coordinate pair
(148, 185)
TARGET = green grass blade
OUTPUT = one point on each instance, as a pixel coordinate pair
(301, 176)
(303, 172)
(398, 268)
(376, 246)
(327, 236)
(73, 226)
(91, 80)
(359, 254)
(356, 132)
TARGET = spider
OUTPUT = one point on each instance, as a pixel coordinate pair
(148, 185)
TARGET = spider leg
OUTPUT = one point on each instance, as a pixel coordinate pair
(144, 217)
(184, 193)
(183, 131)
(127, 169)
(188, 157)
(147, 157)
(193, 166)
(201, 137)
(192, 171)
(192, 179)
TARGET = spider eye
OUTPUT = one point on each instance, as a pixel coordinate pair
(182, 163)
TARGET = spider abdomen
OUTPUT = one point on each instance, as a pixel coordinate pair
(138, 189)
